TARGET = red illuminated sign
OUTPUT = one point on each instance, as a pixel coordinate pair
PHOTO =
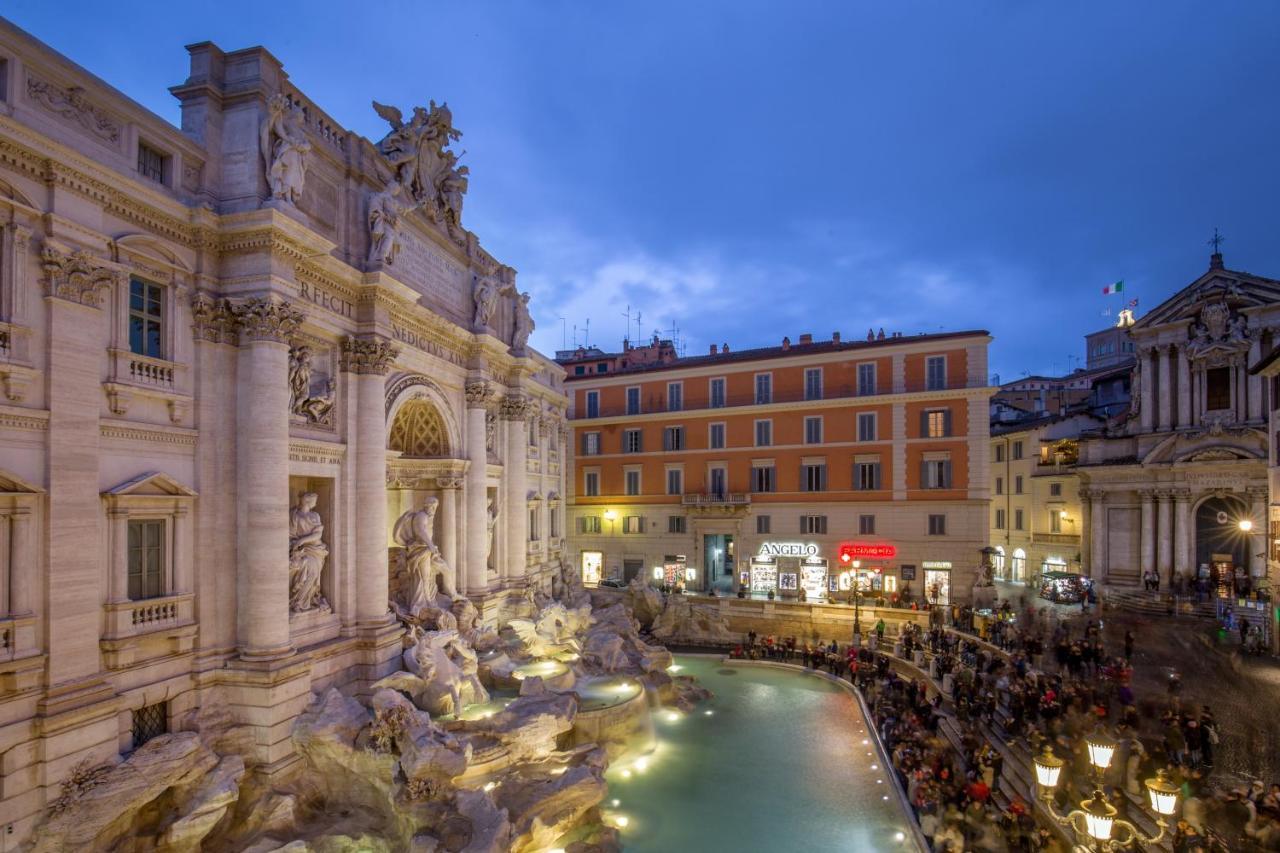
(867, 551)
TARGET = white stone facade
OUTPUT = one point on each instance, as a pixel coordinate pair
(231, 356)
(1166, 487)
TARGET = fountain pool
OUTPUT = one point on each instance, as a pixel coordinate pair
(775, 762)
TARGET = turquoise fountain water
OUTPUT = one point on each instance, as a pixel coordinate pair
(775, 762)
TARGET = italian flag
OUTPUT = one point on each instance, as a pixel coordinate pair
(1113, 288)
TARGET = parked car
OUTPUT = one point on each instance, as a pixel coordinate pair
(613, 583)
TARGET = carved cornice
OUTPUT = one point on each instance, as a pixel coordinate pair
(213, 320)
(371, 356)
(262, 240)
(449, 482)
(76, 277)
(479, 393)
(160, 435)
(265, 319)
(513, 408)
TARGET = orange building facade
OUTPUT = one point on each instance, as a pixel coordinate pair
(800, 470)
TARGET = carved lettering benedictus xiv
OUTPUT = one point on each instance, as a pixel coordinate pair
(264, 319)
(76, 276)
(373, 356)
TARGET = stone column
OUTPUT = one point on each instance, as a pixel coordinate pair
(1086, 529)
(479, 394)
(1098, 535)
(1147, 559)
(1181, 533)
(1164, 523)
(262, 477)
(1147, 378)
(182, 569)
(7, 562)
(1258, 537)
(370, 359)
(1256, 412)
(1184, 388)
(1166, 397)
(515, 479)
(118, 581)
(449, 519)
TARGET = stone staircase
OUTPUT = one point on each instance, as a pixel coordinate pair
(1137, 600)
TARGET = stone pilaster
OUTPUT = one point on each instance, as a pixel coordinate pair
(515, 482)
(1147, 378)
(262, 475)
(1258, 536)
(479, 394)
(1166, 399)
(1164, 541)
(1255, 381)
(1098, 535)
(1182, 561)
(449, 523)
(1147, 557)
(370, 359)
(1184, 388)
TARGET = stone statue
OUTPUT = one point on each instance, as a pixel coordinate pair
(491, 432)
(485, 293)
(448, 668)
(523, 323)
(429, 574)
(491, 529)
(314, 406)
(385, 208)
(284, 148)
(427, 172)
(307, 553)
(453, 186)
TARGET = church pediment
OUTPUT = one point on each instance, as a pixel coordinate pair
(151, 484)
(13, 485)
(1216, 443)
(1233, 290)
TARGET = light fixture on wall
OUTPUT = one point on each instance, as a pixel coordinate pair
(610, 516)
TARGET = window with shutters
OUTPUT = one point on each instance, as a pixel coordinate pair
(715, 393)
(591, 444)
(866, 426)
(764, 433)
(589, 524)
(146, 319)
(866, 476)
(631, 482)
(937, 423)
(999, 519)
(1055, 490)
(813, 525)
(813, 430)
(762, 478)
(593, 404)
(936, 474)
(633, 524)
(1017, 519)
(813, 383)
(675, 396)
(866, 525)
(673, 438)
(632, 441)
(999, 452)
(1017, 485)
(936, 373)
(533, 524)
(675, 524)
(675, 481)
(146, 559)
(937, 525)
(591, 484)
(715, 436)
(999, 485)
(718, 479)
(633, 400)
(153, 164)
(764, 388)
(813, 478)
(866, 379)
(553, 522)
(1017, 450)
(764, 524)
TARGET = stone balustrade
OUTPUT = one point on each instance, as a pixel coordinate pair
(148, 628)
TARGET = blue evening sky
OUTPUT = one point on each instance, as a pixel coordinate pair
(748, 170)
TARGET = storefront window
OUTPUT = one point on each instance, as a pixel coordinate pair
(592, 565)
(813, 577)
(937, 582)
(764, 577)
(997, 561)
(1018, 565)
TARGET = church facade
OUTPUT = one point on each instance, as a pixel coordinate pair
(260, 384)
(1178, 485)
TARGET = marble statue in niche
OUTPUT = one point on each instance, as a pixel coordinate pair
(310, 400)
(523, 323)
(485, 293)
(284, 147)
(429, 574)
(385, 208)
(491, 527)
(307, 555)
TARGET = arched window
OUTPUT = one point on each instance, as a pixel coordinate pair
(418, 431)
(1018, 565)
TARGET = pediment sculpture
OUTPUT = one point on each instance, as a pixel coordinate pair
(428, 173)
(1218, 332)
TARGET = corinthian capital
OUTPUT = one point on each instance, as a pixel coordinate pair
(212, 319)
(77, 276)
(371, 356)
(514, 408)
(265, 319)
(478, 394)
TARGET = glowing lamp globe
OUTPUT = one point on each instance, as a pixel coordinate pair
(1048, 768)
(1246, 524)
(1101, 748)
(1163, 794)
(1099, 817)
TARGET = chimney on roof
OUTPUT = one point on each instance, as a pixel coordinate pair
(835, 337)
(806, 338)
(714, 349)
(880, 337)
(786, 343)
(871, 334)
(724, 348)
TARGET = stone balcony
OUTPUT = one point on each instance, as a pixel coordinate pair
(724, 499)
(21, 665)
(152, 627)
(1056, 538)
(133, 374)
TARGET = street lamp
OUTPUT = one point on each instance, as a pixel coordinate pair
(857, 606)
(1245, 525)
(1101, 748)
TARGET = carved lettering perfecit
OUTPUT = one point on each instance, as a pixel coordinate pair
(326, 300)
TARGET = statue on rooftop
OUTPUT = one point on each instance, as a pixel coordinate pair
(284, 148)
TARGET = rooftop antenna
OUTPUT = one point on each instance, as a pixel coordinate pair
(564, 333)
(586, 333)
(639, 328)
(627, 334)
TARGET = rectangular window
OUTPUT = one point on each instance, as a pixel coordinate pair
(675, 481)
(999, 452)
(813, 478)
(675, 524)
(1017, 485)
(866, 426)
(935, 423)
(813, 430)
(1017, 450)
(937, 525)
(719, 481)
(150, 721)
(866, 525)
(936, 474)
(764, 388)
(146, 319)
(999, 485)
(813, 524)
(866, 476)
(631, 480)
(866, 380)
(762, 478)
(146, 559)
(589, 524)
(1017, 519)
(936, 373)
(673, 438)
(715, 436)
(633, 524)
(553, 521)
(632, 441)
(999, 519)
(593, 404)
(763, 524)
(1055, 490)
(1055, 521)
(716, 393)
(813, 383)
(1217, 388)
(591, 444)
(675, 396)
(152, 164)
(764, 433)
(533, 525)
(633, 400)
(591, 484)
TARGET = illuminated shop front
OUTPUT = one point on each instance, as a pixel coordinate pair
(786, 568)
(675, 570)
(937, 581)
(592, 567)
(865, 565)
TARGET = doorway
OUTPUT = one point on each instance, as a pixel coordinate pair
(1222, 549)
(719, 561)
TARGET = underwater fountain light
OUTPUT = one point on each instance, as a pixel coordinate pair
(615, 803)
(489, 786)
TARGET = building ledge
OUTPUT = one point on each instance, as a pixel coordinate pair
(151, 627)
